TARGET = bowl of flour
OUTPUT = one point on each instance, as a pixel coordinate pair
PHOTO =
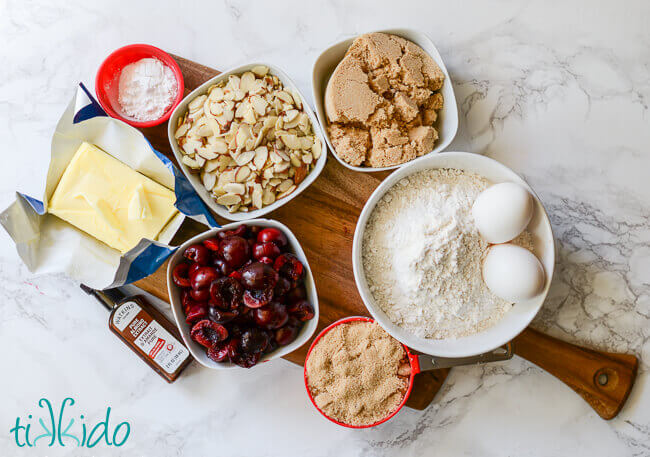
(417, 257)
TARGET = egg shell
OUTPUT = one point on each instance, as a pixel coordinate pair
(502, 211)
(513, 273)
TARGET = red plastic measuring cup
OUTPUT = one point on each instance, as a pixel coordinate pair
(418, 363)
(106, 81)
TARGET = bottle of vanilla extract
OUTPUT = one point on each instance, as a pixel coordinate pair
(145, 330)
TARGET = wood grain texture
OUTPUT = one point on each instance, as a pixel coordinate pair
(603, 379)
(323, 218)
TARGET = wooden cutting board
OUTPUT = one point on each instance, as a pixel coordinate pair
(323, 218)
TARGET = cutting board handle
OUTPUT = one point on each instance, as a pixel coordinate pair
(603, 379)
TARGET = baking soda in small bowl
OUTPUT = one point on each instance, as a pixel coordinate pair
(147, 88)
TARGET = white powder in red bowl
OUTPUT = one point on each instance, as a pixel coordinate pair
(147, 88)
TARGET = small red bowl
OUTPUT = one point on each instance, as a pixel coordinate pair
(413, 362)
(108, 76)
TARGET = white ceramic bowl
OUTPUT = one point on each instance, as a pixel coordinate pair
(174, 291)
(518, 317)
(195, 179)
(325, 64)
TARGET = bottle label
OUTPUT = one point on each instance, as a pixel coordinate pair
(138, 327)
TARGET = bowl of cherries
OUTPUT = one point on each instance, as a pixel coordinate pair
(242, 294)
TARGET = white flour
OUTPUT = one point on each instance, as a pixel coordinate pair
(422, 256)
(146, 89)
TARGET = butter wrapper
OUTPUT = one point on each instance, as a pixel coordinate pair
(48, 244)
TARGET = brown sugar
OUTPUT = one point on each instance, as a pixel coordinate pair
(355, 373)
(385, 86)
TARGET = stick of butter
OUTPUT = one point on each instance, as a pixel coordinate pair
(110, 201)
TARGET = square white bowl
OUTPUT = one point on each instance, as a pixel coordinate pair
(195, 179)
(518, 317)
(447, 124)
(198, 351)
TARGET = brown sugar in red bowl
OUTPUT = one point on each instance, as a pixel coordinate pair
(357, 374)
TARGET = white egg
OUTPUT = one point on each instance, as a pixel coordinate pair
(513, 273)
(502, 211)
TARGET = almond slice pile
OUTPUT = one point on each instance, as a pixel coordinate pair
(250, 140)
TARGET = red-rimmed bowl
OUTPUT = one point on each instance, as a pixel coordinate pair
(413, 362)
(108, 76)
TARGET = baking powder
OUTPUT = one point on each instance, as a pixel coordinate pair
(422, 256)
(147, 88)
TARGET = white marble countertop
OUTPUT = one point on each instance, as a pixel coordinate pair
(557, 91)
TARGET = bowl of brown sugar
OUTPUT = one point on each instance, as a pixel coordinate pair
(356, 374)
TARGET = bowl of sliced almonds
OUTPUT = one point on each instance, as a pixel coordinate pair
(247, 141)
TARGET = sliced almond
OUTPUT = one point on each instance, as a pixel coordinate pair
(234, 82)
(249, 116)
(209, 180)
(224, 161)
(268, 197)
(235, 208)
(274, 156)
(241, 109)
(191, 145)
(197, 103)
(207, 153)
(258, 87)
(256, 196)
(269, 122)
(235, 188)
(268, 173)
(182, 130)
(286, 192)
(306, 142)
(296, 159)
(296, 98)
(291, 141)
(259, 104)
(284, 185)
(261, 156)
(242, 173)
(228, 113)
(300, 173)
(260, 70)
(216, 94)
(316, 149)
(229, 199)
(220, 146)
(243, 134)
(194, 115)
(244, 157)
(291, 115)
(247, 80)
(284, 96)
(283, 155)
(292, 125)
(304, 124)
(226, 177)
(211, 165)
(274, 182)
(307, 158)
(190, 162)
(280, 167)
